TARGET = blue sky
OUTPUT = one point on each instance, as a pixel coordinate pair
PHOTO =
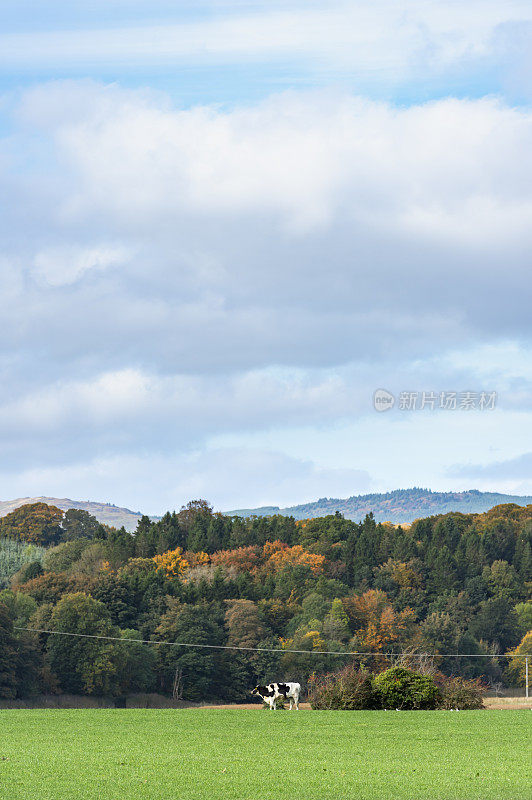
(225, 225)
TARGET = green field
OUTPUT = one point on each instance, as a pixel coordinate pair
(321, 755)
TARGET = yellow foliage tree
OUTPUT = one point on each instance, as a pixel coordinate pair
(309, 640)
(296, 556)
(516, 667)
(173, 562)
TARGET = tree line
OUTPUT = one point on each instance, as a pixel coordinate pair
(453, 583)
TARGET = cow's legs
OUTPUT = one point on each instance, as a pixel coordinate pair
(291, 703)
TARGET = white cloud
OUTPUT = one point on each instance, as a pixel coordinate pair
(254, 270)
(384, 37)
(280, 232)
(455, 171)
(229, 478)
(182, 409)
(269, 478)
(59, 266)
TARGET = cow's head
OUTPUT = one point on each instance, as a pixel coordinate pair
(258, 691)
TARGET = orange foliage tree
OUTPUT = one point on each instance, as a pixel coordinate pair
(273, 547)
(296, 556)
(244, 559)
(197, 559)
(375, 622)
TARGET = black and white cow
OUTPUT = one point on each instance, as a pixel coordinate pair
(274, 691)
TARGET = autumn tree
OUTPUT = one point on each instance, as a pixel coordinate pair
(191, 510)
(295, 556)
(517, 667)
(375, 623)
(245, 559)
(277, 613)
(402, 581)
(36, 522)
(173, 563)
(46, 588)
(245, 623)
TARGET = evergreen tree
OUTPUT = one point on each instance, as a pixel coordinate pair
(8, 655)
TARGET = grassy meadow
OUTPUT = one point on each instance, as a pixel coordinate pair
(323, 755)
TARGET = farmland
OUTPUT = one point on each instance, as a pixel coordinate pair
(163, 754)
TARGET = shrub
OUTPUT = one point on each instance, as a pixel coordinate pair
(404, 688)
(349, 689)
(460, 693)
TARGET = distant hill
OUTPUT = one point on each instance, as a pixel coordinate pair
(399, 506)
(104, 512)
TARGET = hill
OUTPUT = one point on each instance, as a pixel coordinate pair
(399, 506)
(106, 513)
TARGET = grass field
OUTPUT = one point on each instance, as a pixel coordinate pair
(325, 755)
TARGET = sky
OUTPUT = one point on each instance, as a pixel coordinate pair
(225, 225)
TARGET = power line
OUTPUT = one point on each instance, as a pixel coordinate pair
(271, 649)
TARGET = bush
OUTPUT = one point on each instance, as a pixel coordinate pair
(404, 688)
(349, 689)
(460, 693)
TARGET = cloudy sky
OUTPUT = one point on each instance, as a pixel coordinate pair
(224, 225)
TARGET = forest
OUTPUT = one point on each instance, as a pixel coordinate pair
(446, 585)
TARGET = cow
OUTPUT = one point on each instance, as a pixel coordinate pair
(274, 691)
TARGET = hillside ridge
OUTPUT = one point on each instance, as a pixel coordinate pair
(398, 506)
(106, 513)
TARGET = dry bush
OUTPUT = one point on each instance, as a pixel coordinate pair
(349, 689)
